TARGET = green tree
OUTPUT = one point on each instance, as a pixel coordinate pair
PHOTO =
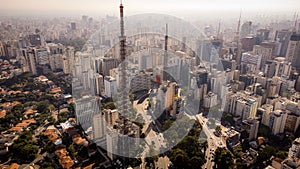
(71, 107)
(49, 147)
(196, 162)
(72, 151)
(132, 97)
(109, 105)
(263, 131)
(42, 106)
(82, 151)
(167, 124)
(223, 159)
(179, 158)
(47, 165)
(218, 130)
(266, 154)
(134, 162)
(23, 149)
(281, 154)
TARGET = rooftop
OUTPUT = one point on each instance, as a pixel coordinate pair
(79, 140)
(17, 129)
(2, 113)
(13, 166)
(64, 160)
(52, 135)
(55, 90)
(30, 111)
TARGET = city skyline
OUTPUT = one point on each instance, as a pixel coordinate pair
(190, 8)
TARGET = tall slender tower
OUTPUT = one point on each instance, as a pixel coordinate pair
(219, 28)
(165, 60)
(237, 39)
(123, 102)
(123, 72)
(122, 36)
(295, 22)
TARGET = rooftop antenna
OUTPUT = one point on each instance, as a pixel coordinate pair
(295, 22)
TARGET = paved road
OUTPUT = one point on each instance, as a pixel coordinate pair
(162, 163)
(212, 141)
(152, 135)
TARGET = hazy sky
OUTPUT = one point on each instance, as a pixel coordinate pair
(48, 7)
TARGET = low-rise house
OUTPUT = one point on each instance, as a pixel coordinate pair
(30, 112)
(9, 105)
(16, 129)
(13, 166)
(64, 159)
(291, 163)
(2, 113)
(55, 90)
(79, 140)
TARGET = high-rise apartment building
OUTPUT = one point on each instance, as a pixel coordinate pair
(110, 85)
(99, 85)
(86, 108)
(293, 51)
(262, 35)
(42, 55)
(248, 43)
(283, 37)
(264, 51)
(99, 129)
(283, 68)
(35, 40)
(28, 61)
(268, 109)
(241, 105)
(277, 121)
(104, 65)
(68, 60)
(294, 151)
(245, 29)
(251, 126)
(292, 122)
(250, 63)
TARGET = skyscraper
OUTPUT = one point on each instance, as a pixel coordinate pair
(42, 56)
(293, 51)
(110, 84)
(248, 43)
(251, 126)
(29, 60)
(86, 108)
(283, 37)
(245, 29)
(73, 25)
(264, 51)
(262, 35)
(35, 40)
(277, 121)
(99, 129)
